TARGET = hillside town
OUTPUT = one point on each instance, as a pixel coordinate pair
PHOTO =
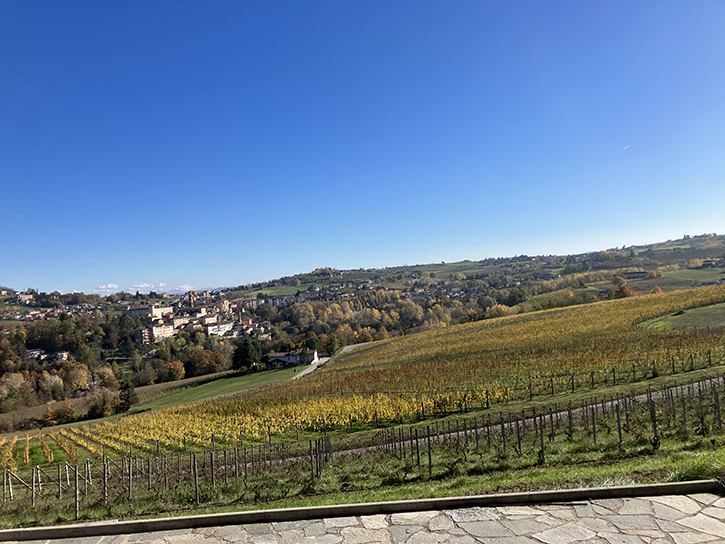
(220, 318)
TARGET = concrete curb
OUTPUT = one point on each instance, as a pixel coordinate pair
(363, 509)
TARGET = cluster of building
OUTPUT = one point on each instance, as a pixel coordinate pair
(35, 314)
(19, 298)
(42, 355)
(219, 319)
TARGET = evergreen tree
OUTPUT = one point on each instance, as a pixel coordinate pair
(128, 397)
(247, 354)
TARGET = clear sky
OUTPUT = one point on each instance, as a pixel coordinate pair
(218, 143)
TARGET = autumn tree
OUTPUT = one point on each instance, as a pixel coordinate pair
(50, 417)
(205, 361)
(624, 291)
(497, 310)
(108, 380)
(172, 371)
(67, 414)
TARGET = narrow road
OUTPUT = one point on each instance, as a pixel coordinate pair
(324, 360)
(311, 368)
(351, 347)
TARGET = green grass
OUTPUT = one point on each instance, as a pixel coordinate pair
(694, 318)
(150, 393)
(19, 307)
(698, 274)
(279, 290)
(10, 323)
(674, 245)
(221, 387)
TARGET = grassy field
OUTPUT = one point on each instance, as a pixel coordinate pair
(221, 386)
(279, 290)
(698, 274)
(19, 307)
(149, 393)
(10, 323)
(712, 317)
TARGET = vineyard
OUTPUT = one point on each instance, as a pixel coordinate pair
(473, 365)
(476, 399)
(601, 430)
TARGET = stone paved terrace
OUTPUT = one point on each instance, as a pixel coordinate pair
(678, 519)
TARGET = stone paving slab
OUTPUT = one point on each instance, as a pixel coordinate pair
(671, 519)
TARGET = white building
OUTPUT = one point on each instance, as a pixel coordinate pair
(161, 331)
(294, 358)
(219, 329)
(160, 311)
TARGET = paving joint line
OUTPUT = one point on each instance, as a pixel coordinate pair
(359, 509)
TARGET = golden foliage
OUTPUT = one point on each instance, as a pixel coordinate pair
(70, 449)
(7, 453)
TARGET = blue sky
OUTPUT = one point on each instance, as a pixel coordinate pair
(217, 143)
